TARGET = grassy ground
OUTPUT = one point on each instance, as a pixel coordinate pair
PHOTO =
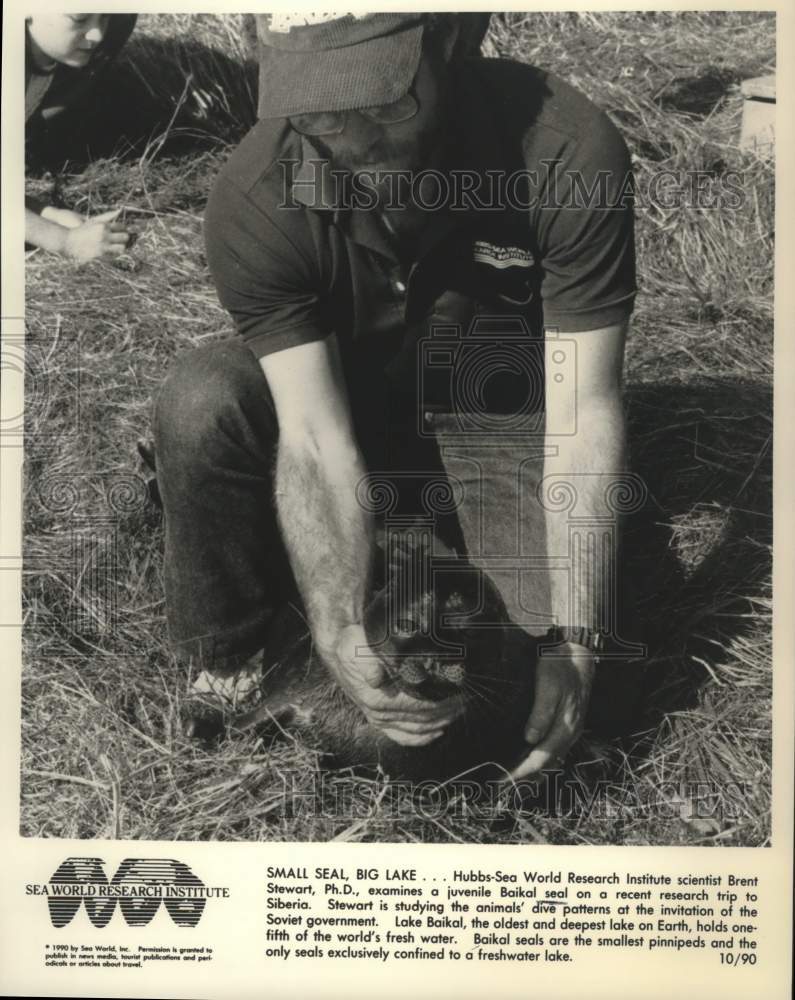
(101, 750)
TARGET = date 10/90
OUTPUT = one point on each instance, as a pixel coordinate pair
(737, 958)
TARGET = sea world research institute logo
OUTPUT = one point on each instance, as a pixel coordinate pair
(138, 888)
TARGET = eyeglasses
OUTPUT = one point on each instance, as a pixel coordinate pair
(334, 122)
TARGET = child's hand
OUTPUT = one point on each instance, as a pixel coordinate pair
(97, 237)
(63, 216)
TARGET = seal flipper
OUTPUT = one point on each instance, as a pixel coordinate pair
(271, 718)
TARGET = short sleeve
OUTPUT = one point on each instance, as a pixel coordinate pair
(265, 271)
(586, 227)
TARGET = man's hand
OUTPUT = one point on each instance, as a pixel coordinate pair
(101, 236)
(562, 691)
(406, 720)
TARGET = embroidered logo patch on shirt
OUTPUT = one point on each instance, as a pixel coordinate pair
(501, 257)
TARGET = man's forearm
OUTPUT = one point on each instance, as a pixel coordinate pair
(39, 232)
(329, 537)
(588, 532)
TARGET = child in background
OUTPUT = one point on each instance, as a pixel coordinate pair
(65, 56)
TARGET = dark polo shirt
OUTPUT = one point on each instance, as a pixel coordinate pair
(553, 247)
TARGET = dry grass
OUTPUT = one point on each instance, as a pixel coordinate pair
(102, 752)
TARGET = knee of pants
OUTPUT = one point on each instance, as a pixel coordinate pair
(212, 398)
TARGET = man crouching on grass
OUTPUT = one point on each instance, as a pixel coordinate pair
(261, 442)
(65, 56)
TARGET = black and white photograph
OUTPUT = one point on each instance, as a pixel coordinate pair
(398, 427)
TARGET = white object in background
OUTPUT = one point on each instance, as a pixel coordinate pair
(759, 114)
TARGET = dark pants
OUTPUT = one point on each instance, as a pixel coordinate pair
(226, 569)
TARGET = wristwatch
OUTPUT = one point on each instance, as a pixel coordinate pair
(582, 636)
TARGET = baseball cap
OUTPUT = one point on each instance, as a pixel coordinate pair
(335, 62)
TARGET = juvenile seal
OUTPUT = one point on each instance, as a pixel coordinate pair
(440, 628)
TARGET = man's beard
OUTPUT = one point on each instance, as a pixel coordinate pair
(382, 155)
